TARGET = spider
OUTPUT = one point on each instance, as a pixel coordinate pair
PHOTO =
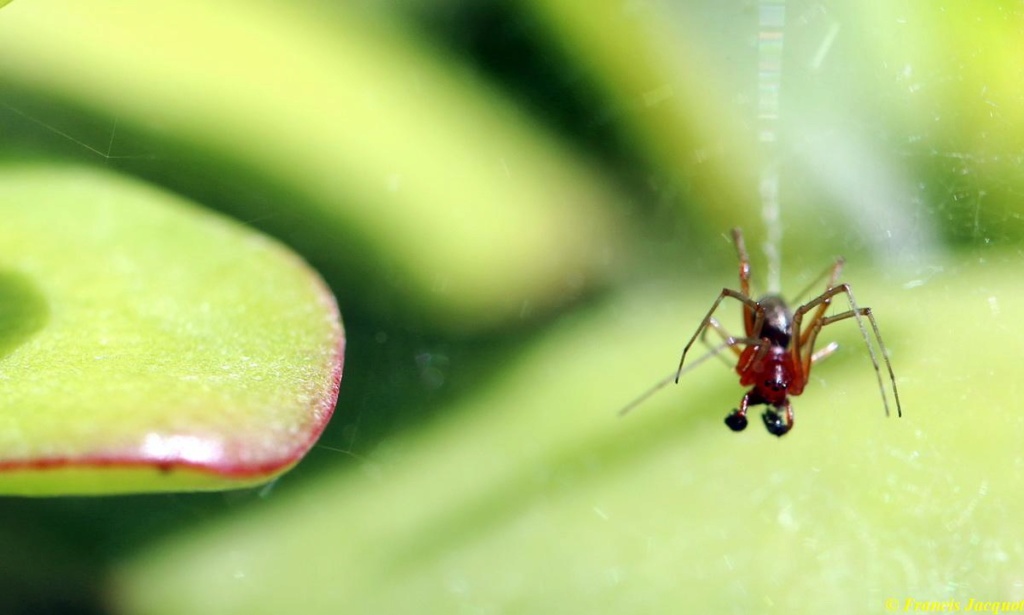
(775, 356)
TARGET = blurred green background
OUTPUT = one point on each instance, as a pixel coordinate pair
(523, 209)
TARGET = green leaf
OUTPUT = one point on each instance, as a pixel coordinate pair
(146, 344)
(534, 497)
(396, 157)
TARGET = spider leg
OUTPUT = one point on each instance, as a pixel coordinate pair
(803, 350)
(670, 378)
(824, 353)
(737, 419)
(802, 344)
(726, 337)
(763, 346)
(747, 302)
(831, 272)
(859, 314)
(833, 276)
(744, 259)
(807, 358)
(779, 425)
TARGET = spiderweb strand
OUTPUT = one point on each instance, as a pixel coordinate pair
(771, 22)
(106, 155)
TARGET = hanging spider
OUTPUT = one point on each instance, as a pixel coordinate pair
(777, 353)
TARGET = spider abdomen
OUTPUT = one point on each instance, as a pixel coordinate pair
(773, 375)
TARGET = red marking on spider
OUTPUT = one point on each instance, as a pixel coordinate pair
(776, 354)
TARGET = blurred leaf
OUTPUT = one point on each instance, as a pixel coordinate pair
(407, 164)
(385, 160)
(534, 497)
(924, 141)
(675, 96)
(951, 85)
(147, 345)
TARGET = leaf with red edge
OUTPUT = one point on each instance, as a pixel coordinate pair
(149, 345)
